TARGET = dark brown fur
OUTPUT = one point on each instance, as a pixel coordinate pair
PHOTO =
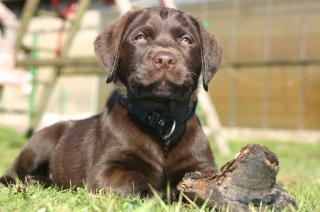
(111, 151)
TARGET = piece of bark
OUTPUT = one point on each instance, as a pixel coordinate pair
(250, 178)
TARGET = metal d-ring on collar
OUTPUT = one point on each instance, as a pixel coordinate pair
(167, 136)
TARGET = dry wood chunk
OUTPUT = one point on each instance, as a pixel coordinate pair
(250, 178)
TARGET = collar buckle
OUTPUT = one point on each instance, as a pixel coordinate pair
(152, 118)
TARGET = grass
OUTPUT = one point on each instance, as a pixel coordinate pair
(299, 173)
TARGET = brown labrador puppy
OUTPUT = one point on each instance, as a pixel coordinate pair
(148, 135)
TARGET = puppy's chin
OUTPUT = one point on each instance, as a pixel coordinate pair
(161, 90)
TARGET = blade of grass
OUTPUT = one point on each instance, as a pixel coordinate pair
(157, 196)
(190, 201)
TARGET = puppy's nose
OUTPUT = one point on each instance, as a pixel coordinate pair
(164, 60)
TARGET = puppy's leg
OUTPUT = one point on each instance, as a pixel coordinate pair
(32, 164)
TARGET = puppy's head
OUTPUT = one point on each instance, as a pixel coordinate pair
(158, 53)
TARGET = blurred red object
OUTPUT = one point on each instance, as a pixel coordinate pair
(70, 8)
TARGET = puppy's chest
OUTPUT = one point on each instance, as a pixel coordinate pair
(157, 165)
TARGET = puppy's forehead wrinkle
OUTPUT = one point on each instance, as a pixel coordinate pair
(182, 19)
(164, 13)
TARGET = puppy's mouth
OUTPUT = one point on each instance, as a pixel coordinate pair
(161, 90)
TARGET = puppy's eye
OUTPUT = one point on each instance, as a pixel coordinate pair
(140, 36)
(186, 40)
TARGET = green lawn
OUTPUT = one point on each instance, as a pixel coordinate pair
(299, 173)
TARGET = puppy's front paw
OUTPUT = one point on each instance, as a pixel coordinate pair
(190, 185)
(7, 180)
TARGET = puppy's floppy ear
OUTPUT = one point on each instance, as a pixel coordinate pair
(211, 54)
(108, 44)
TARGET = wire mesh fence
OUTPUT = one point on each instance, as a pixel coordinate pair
(275, 45)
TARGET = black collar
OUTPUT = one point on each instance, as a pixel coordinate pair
(166, 129)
